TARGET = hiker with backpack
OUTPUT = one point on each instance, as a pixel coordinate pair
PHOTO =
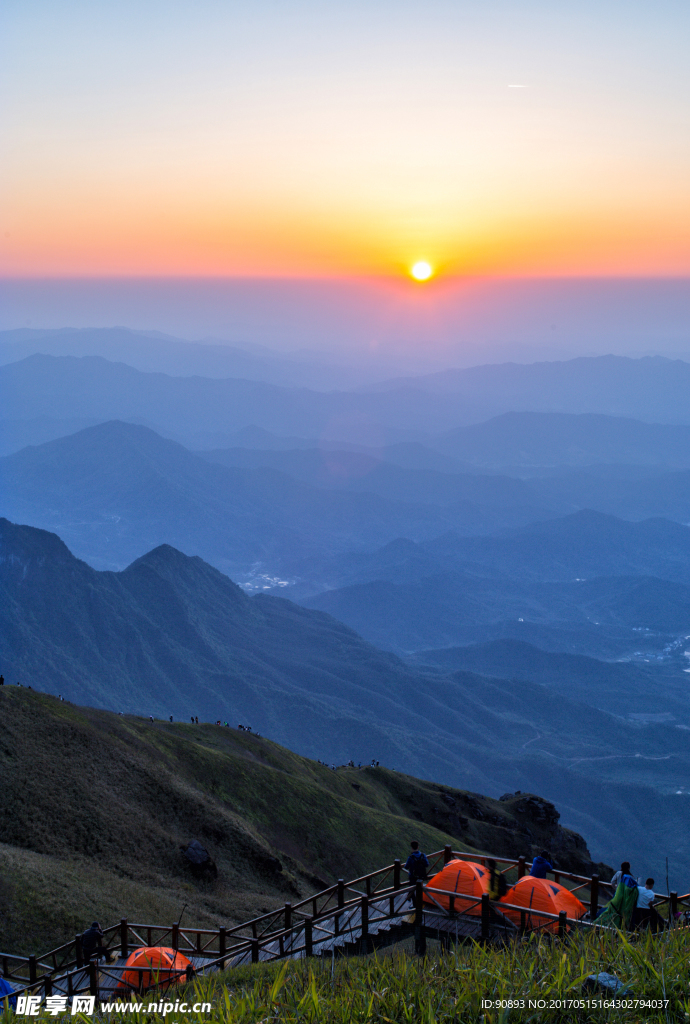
(416, 864)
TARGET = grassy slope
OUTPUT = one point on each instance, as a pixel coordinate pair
(96, 805)
(450, 988)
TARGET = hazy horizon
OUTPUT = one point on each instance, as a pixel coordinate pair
(454, 322)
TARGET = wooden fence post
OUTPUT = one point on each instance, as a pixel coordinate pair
(521, 867)
(447, 854)
(486, 916)
(78, 953)
(288, 916)
(124, 948)
(255, 951)
(93, 977)
(562, 924)
(594, 897)
(341, 892)
(176, 936)
(419, 931)
(396, 874)
(32, 969)
(364, 914)
(674, 906)
(48, 985)
(222, 945)
(308, 937)
(419, 902)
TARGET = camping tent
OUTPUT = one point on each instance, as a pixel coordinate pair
(461, 876)
(5, 991)
(163, 967)
(536, 894)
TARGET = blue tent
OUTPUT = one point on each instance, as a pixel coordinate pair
(7, 990)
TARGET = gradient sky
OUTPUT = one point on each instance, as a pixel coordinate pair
(345, 137)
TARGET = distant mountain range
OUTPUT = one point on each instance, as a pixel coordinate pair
(524, 441)
(153, 352)
(171, 635)
(407, 575)
(652, 388)
(621, 688)
(207, 413)
(605, 617)
(584, 583)
(115, 490)
(578, 546)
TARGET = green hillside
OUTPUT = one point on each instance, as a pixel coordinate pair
(96, 805)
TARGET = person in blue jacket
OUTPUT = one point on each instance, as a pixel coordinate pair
(540, 865)
(416, 864)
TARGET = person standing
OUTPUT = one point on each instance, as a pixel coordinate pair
(92, 943)
(540, 865)
(644, 911)
(619, 875)
(416, 864)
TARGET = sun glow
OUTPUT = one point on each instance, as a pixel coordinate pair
(421, 271)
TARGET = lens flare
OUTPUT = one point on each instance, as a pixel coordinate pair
(421, 271)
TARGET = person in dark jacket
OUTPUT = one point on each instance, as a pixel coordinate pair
(92, 943)
(416, 864)
(540, 865)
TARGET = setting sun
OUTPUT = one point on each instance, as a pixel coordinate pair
(421, 271)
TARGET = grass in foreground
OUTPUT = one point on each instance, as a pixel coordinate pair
(397, 987)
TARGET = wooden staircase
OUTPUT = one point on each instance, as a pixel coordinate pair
(348, 918)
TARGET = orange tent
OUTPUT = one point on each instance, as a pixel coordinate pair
(163, 967)
(541, 894)
(461, 876)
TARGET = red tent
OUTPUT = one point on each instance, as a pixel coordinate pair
(461, 876)
(163, 967)
(536, 894)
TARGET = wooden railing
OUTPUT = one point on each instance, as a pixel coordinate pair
(298, 928)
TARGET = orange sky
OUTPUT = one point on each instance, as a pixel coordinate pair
(215, 141)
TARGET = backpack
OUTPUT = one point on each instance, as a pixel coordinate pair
(418, 869)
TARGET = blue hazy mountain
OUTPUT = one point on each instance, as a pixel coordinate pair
(585, 583)
(652, 388)
(605, 617)
(115, 490)
(623, 688)
(528, 441)
(153, 352)
(171, 635)
(200, 410)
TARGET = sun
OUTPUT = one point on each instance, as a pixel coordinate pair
(421, 271)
